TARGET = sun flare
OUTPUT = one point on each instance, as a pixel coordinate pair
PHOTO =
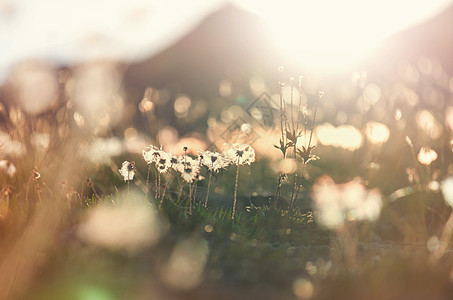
(335, 35)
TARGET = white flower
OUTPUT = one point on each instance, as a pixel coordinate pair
(128, 170)
(189, 168)
(8, 167)
(152, 154)
(240, 154)
(163, 163)
(426, 155)
(214, 161)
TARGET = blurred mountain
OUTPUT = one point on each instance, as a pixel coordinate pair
(232, 44)
(229, 44)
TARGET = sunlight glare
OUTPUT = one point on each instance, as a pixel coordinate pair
(334, 35)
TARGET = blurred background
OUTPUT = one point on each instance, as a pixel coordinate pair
(85, 85)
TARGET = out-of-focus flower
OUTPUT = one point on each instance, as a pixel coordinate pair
(412, 175)
(447, 190)
(102, 150)
(10, 147)
(426, 155)
(186, 265)
(351, 201)
(40, 141)
(128, 225)
(8, 167)
(127, 170)
(214, 161)
(240, 154)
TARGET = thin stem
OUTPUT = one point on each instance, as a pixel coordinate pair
(281, 107)
(277, 191)
(235, 191)
(282, 141)
(156, 185)
(190, 198)
(207, 193)
(147, 182)
(128, 176)
(165, 188)
(180, 191)
(293, 199)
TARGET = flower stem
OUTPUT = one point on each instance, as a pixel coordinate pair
(235, 191)
(207, 193)
(293, 193)
(190, 198)
(156, 193)
(165, 189)
(128, 176)
(147, 182)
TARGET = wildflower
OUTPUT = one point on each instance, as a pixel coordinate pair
(240, 154)
(426, 155)
(8, 167)
(214, 161)
(128, 170)
(163, 163)
(152, 154)
(188, 167)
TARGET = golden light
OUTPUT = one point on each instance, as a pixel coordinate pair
(345, 136)
(334, 35)
(427, 155)
(377, 133)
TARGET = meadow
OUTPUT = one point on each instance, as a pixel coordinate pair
(287, 191)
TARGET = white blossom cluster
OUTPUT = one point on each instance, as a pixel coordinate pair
(237, 154)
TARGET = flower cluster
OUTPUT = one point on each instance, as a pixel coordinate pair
(190, 167)
(238, 154)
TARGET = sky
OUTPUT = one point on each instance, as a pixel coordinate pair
(323, 34)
